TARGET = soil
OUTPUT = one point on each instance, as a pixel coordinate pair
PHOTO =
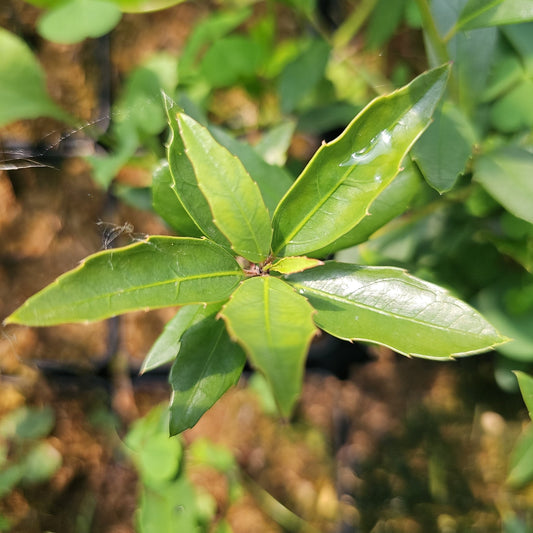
(382, 444)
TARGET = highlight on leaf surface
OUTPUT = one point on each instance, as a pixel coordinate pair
(387, 306)
(157, 272)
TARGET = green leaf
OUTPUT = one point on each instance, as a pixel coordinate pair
(274, 326)
(75, 20)
(387, 306)
(512, 112)
(141, 6)
(167, 345)
(168, 205)
(157, 272)
(392, 202)
(23, 92)
(525, 382)
(27, 423)
(240, 56)
(273, 181)
(41, 463)
(301, 75)
(506, 176)
(234, 199)
(444, 149)
(209, 363)
(521, 460)
(342, 180)
(483, 13)
(291, 265)
(184, 181)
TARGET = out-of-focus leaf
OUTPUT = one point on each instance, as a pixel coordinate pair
(168, 205)
(506, 175)
(387, 306)
(301, 75)
(140, 6)
(274, 326)
(444, 149)
(507, 73)
(235, 200)
(482, 13)
(41, 463)
(75, 20)
(491, 302)
(513, 112)
(519, 35)
(208, 31)
(167, 508)
(274, 143)
(27, 423)
(521, 461)
(167, 345)
(239, 55)
(157, 272)
(208, 364)
(23, 92)
(345, 176)
(381, 28)
(525, 381)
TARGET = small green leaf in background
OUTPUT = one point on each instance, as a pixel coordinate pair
(27, 423)
(506, 175)
(23, 92)
(157, 272)
(140, 6)
(512, 112)
(483, 13)
(168, 205)
(521, 460)
(444, 149)
(234, 199)
(274, 144)
(167, 345)
(208, 364)
(345, 176)
(387, 306)
(42, 461)
(301, 75)
(75, 20)
(274, 326)
(526, 388)
(239, 55)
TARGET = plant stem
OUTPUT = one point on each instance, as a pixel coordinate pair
(432, 33)
(353, 23)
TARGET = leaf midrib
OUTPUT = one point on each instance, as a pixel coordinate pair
(376, 310)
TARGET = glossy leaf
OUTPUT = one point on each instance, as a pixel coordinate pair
(157, 272)
(525, 381)
(273, 181)
(168, 205)
(234, 199)
(209, 363)
(167, 345)
(444, 149)
(274, 326)
(506, 175)
(345, 176)
(482, 13)
(76, 20)
(184, 180)
(387, 306)
(291, 265)
(392, 202)
(23, 92)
